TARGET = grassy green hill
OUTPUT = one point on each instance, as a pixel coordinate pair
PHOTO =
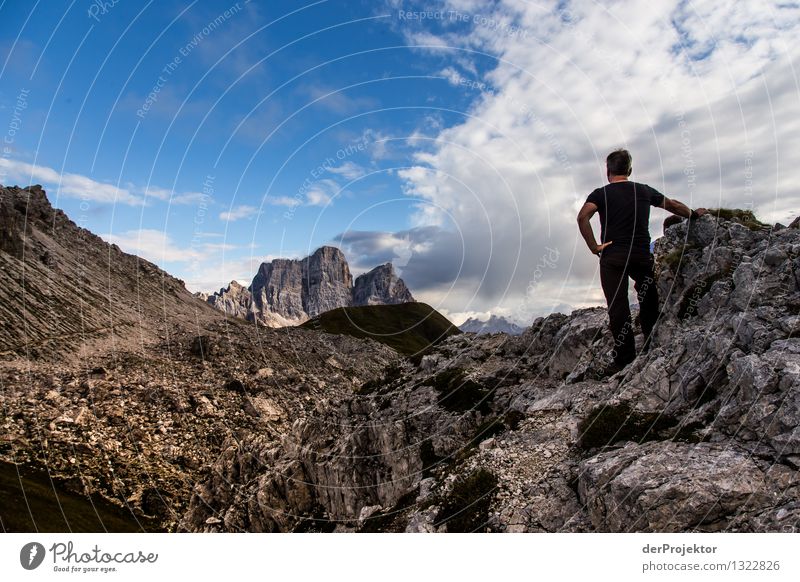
(410, 328)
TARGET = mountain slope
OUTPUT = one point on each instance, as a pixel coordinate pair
(64, 287)
(201, 422)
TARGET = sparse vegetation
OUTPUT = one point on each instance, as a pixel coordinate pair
(676, 256)
(30, 491)
(743, 217)
(693, 295)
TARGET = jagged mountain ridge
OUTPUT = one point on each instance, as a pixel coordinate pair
(290, 291)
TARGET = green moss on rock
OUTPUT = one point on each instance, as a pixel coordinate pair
(743, 217)
(675, 257)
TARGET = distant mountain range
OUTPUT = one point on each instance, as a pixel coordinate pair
(495, 324)
(290, 291)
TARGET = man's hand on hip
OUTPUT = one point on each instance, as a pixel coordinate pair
(598, 248)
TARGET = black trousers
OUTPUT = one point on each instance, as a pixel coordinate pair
(614, 273)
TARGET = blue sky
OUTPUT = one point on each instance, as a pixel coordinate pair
(456, 138)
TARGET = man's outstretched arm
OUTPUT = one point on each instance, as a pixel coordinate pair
(584, 216)
(680, 209)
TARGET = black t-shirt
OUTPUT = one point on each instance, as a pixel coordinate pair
(624, 209)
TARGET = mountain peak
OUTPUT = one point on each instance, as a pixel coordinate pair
(290, 291)
(380, 286)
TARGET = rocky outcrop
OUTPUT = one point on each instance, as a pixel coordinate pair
(380, 286)
(327, 281)
(139, 428)
(235, 300)
(11, 240)
(289, 292)
(503, 433)
(675, 486)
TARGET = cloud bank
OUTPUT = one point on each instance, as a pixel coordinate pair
(704, 94)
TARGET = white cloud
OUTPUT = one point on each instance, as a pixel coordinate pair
(367, 249)
(70, 185)
(452, 75)
(85, 188)
(167, 195)
(238, 213)
(378, 143)
(348, 170)
(158, 193)
(209, 276)
(283, 201)
(317, 197)
(154, 245)
(203, 267)
(322, 192)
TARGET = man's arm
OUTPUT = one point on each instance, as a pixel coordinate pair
(584, 216)
(680, 209)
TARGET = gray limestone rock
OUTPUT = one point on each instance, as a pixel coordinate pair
(289, 291)
(235, 300)
(380, 286)
(671, 487)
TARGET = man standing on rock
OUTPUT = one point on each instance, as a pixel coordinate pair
(624, 251)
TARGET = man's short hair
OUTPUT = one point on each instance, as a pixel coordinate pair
(618, 163)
